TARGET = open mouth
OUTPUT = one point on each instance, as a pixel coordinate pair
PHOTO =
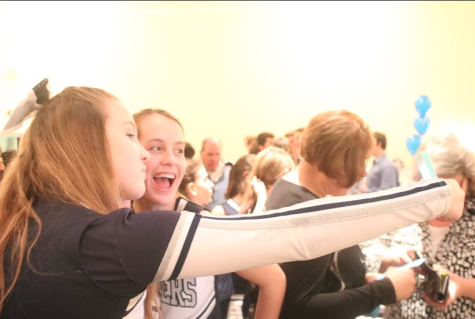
(164, 181)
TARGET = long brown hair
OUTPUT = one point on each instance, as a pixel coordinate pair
(236, 175)
(64, 155)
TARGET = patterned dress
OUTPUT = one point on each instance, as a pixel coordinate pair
(455, 253)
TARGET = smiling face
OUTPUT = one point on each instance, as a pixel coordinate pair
(127, 155)
(163, 138)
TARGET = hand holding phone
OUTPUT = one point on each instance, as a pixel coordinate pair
(436, 284)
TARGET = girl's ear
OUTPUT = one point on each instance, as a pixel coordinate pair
(191, 189)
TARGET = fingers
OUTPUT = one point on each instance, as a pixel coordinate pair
(430, 301)
(406, 259)
(411, 253)
(433, 303)
(403, 282)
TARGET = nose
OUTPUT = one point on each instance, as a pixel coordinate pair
(168, 158)
(144, 155)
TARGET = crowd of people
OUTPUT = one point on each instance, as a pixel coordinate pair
(116, 216)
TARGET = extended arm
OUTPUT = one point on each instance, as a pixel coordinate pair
(161, 245)
(303, 231)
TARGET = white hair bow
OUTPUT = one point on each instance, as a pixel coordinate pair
(27, 108)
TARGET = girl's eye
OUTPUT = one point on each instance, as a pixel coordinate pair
(155, 148)
(131, 136)
(180, 151)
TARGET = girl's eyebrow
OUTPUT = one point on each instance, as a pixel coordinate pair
(162, 141)
(155, 140)
(130, 123)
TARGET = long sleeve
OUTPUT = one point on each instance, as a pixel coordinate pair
(203, 245)
(351, 303)
(124, 252)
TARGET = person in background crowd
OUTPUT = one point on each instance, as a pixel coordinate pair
(250, 141)
(284, 144)
(290, 137)
(271, 164)
(296, 145)
(243, 196)
(264, 140)
(335, 145)
(218, 170)
(189, 151)
(384, 173)
(447, 245)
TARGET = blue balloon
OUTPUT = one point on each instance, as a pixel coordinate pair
(422, 105)
(421, 124)
(413, 142)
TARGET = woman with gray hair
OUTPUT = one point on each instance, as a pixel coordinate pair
(449, 245)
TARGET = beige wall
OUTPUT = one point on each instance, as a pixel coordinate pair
(233, 69)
